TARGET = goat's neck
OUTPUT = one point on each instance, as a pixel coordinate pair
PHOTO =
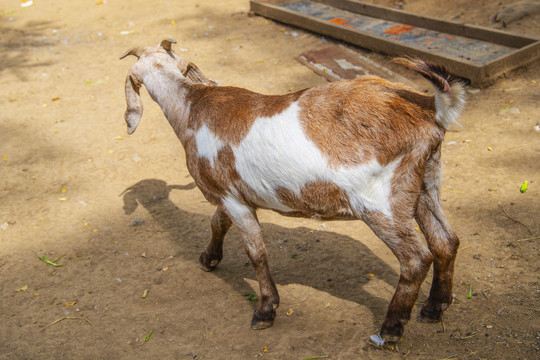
(172, 100)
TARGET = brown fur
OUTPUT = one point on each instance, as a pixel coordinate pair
(435, 73)
(223, 110)
(319, 199)
(216, 180)
(366, 114)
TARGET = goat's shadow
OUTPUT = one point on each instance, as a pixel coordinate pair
(326, 261)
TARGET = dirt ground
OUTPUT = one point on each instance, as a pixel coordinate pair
(129, 220)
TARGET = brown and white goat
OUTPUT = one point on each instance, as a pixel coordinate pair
(361, 149)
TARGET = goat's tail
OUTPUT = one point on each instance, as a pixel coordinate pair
(449, 89)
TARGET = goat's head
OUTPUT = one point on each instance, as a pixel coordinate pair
(151, 59)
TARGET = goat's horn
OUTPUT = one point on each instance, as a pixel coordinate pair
(135, 52)
(167, 43)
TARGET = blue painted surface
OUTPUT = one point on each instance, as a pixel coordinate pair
(473, 50)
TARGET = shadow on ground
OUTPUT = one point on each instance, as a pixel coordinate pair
(326, 261)
(17, 45)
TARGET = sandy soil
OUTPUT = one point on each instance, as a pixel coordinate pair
(126, 215)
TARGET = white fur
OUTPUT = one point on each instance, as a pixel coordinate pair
(244, 219)
(235, 209)
(277, 154)
(449, 106)
(208, 145)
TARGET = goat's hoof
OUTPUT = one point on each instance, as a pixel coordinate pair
(383, 342)
(206, 263)
(390, 334)
(432, 313)
(206, 268)
(261, 324)
(427, 319)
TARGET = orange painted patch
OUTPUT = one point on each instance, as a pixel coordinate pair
(399, 29)
(339, 21)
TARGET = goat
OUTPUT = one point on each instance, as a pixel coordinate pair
(362, 149)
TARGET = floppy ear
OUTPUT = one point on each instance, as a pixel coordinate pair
(134, 108)
(193, 73)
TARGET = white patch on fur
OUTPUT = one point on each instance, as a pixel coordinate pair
(235, 209)
(244, 218)
(449, 106)
(277, 154)
(208, 145)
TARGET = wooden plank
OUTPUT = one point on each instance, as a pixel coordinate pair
(481, 57)
(336, 63)
(362, 39)
(446, 26)
(514, 60)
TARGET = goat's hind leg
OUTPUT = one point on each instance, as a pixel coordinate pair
(414, 259)
(443, 244)
(221, 223)
(442, 241)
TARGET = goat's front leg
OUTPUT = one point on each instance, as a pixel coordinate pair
(246, 219)
(221, 223)
(414, 260)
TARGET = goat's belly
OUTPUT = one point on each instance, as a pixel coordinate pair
(315, 200)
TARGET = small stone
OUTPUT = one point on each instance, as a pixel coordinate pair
(137, 222)
(377, 340)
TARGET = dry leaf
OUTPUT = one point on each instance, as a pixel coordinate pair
(290, 312)
(24, 288)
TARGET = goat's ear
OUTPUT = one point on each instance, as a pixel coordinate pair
(134, 108)
(193, 73)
